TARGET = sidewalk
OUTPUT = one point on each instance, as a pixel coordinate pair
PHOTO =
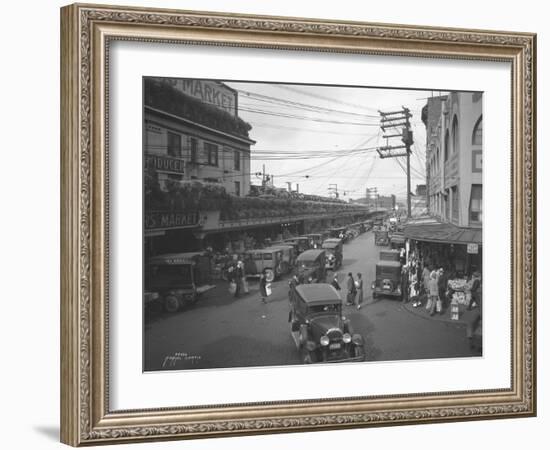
(464, 316)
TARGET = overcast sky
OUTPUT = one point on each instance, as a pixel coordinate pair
(294, 124)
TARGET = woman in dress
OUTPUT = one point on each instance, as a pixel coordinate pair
(359, 295)
(263, 287)
(352, 290)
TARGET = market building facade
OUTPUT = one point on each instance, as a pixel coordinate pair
(197, 176)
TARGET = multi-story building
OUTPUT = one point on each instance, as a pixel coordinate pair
(454, 158)
(192, 131)
(454, 131)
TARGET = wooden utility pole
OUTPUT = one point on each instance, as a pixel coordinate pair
(398, 119)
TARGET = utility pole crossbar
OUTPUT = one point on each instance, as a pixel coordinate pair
(394, 119)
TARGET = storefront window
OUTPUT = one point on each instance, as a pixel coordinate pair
(237, 160)
(476, 203)
(194, 150)
(455, 135)
(212, 153)
(478, 133)
(446, 145)
(174, 144)
(455, 203)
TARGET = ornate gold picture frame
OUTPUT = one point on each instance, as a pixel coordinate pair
(87, 31)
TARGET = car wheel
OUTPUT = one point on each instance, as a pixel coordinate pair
(171, 303)
(269, 275)
(360, 352)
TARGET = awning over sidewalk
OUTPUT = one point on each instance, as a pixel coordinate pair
(444, 233)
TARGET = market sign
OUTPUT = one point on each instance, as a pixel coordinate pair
(473, 249)
(171, 220)
(165, 164)
(211, 92)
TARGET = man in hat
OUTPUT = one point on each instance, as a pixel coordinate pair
(475, 290)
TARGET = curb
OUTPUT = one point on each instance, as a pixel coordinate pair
(464, 315)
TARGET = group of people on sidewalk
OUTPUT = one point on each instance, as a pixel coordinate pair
(429, 287)
(354, 289)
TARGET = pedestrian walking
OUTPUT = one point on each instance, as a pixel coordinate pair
(359, 294)
(335, 283)
(244, 283)
(405, 284)
(351, 289)
(402, 256)
(442, 281)
(425, 281)
(263, 287)
(433, 293)
(474, 290)
(238, 277)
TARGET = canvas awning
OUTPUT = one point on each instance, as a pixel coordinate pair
(444, 233)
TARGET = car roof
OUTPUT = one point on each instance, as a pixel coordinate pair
(389, 263)
(318, 293)
(336, 240)
(330, 244)
(264, 250)
(309, 255)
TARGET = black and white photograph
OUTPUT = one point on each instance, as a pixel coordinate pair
(288, 224)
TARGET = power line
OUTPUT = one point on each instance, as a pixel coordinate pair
(298, 105)
(312, 119)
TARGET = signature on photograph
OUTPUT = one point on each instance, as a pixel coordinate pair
(180, 357)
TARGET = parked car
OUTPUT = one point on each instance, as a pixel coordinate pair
(338, 232)
(388, 279)
(289, 257)
(177, 279)
(334, 253)
(301, 243)
(389, 255)
(381, 237)
(310, 266)
(315, 239)
(368, 224)
(397, 240)
(265, 259)
(321, 332)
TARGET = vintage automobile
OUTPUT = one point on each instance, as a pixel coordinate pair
(310, 266)
(397, 240)
(381, 237)
(315, 239)
(302, 243)
(338, 232)
(389, 255)
(334, 253)
(388, 279)
(289, 257)
(264, 259)
(177, 279)
(320, 331)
